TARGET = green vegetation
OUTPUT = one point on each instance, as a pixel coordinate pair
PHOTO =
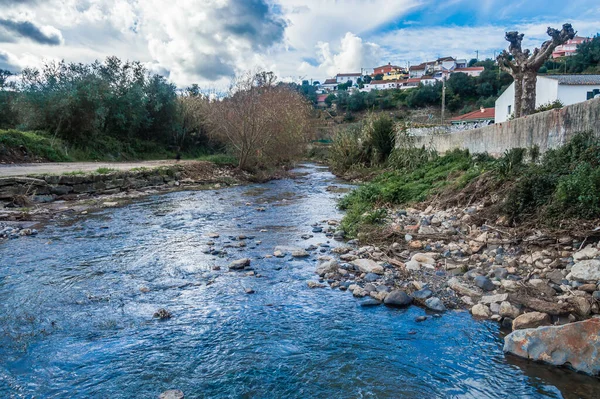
(366, 205)
(563, 183)
(220, 159)
(587, 60)
(30, 143)
(105, 171)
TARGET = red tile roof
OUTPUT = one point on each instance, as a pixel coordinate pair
(488, 113)
(419, 67)
(321, 97)
(330, 81)
(413, 80)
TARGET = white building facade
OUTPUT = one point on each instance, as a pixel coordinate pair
(568, 89)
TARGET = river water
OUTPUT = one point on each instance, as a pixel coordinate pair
(74, 322)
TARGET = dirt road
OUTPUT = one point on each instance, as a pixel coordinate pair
(66, 167)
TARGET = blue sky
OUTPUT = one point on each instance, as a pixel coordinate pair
(208, 41)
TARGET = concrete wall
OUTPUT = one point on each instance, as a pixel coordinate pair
(548, 129)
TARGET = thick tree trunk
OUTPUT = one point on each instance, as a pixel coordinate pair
(528, 95)
(518, 78)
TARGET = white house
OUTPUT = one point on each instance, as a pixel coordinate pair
(568, 89)
(345, 77)
(330, 84)
(380, 85)
(471, 71)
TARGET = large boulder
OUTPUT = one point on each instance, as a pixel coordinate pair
(368, 266)
(482, 311)
(531, 320)
(330, 266)
(239, 264)
(398, 299)
(576, 344)
(586, 270)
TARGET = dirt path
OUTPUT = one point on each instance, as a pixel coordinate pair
(66, 167)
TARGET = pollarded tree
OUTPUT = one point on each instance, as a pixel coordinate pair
(524, 66)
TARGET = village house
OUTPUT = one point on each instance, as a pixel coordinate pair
(380, 85)
(569, 48)
(342, 78)
(330, 84)
(568, 89)
(471, 71)
(475, 119)
(385, 69)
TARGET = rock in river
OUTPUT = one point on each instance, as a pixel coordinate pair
(239, 264)
(435, 304)
(368, 266)
(575, 344)
(327, 267)
(171, 394)
(531, 320)
(398, 298)
(300, 253)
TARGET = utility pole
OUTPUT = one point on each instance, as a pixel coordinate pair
(443, 98)
(477, 52)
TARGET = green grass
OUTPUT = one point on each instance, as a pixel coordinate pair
(105, 171)
(563, 184)
(35, 143)
(366, 205)
(219, 159)
(74, 173)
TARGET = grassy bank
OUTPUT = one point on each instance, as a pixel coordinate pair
(522, 186)
(22, 146)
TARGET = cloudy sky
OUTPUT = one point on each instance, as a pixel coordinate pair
(208, 41)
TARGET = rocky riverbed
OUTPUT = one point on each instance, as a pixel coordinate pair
(213, 293)
(442, 259)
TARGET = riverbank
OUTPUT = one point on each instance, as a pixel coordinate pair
(40, 197)
(511, 241)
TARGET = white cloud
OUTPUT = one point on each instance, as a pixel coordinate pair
(354, 54)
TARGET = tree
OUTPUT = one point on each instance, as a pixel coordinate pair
(524, 66)
(462, 84)
(329, 100)
(587, 58)
(472, 62)
(262, 123)
(379, 76)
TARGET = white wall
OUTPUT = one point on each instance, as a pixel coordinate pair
(507, 98)
(547, 90)
(344, 79)
(569, 94)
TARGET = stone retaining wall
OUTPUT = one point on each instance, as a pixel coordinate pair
(547, 130)
(50, 187)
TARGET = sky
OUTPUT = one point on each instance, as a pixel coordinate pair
(209, 41)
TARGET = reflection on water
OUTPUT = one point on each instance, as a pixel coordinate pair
(76, 306)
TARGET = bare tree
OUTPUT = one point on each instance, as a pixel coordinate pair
(524, 66)
(263, 123)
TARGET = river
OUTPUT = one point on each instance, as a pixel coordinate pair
(75, 324)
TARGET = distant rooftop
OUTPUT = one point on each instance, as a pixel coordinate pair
(575, 79)
(480, 114)
(349, 74)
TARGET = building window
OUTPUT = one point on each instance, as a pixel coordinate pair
(509, 109)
